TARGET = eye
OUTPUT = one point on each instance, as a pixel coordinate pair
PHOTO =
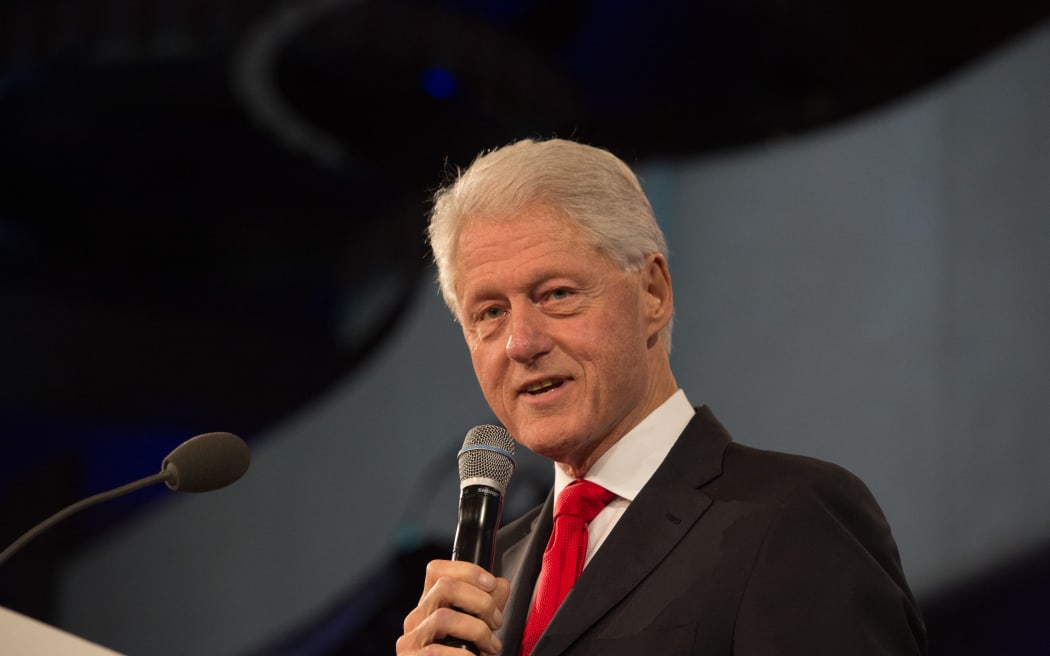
(559, 294)
(490, 313)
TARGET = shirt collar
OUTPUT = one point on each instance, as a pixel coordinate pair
(627, 466)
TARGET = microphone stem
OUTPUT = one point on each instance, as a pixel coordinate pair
(77, 507)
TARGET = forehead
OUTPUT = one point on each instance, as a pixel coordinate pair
(531, 240)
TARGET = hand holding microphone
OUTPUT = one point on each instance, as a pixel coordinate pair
(465, 583)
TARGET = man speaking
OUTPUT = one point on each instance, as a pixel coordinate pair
(661, 535)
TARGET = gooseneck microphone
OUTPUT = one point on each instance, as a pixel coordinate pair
(200, 464)
(206, 462)
(486, 463)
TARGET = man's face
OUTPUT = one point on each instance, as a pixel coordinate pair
(559, 335)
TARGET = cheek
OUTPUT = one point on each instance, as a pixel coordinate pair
(488, 368)
(623, 353)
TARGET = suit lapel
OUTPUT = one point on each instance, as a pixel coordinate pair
(522, 545)
(664, 511)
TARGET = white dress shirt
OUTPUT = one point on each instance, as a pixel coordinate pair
(629, 464)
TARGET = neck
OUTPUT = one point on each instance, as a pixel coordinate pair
(662, 388)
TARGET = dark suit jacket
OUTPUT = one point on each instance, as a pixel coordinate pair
(726, 550)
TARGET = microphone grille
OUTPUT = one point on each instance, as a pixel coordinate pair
(487, 454)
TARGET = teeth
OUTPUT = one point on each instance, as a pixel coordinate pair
(543, 386)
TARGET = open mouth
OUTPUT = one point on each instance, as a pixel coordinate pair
(543, 386)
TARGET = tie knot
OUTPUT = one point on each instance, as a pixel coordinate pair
(582, 499)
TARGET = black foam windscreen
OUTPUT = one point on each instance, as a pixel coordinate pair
(206, 462)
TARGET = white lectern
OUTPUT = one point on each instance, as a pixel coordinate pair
(25, 636)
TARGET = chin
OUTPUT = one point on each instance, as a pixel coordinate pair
(552, 448)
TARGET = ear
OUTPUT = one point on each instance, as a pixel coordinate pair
(658, 297)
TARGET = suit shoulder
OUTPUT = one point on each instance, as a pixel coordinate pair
(776, 477)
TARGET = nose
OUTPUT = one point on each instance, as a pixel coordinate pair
(528, 338)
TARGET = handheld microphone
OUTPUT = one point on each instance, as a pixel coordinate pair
(486, 463)
(200, 464)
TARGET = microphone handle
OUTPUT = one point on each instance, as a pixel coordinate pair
(480, 508)
(77, 507)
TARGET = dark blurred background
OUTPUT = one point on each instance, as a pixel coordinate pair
(210, 211)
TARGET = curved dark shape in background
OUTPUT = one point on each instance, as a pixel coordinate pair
(214, 213)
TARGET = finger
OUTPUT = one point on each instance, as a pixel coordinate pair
(466, 597)
(450, 623)
(501, 593)
(461, 570)
(464, 586)
(459, 599)
(444, 623)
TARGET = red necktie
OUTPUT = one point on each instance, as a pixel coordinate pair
(563, 559)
